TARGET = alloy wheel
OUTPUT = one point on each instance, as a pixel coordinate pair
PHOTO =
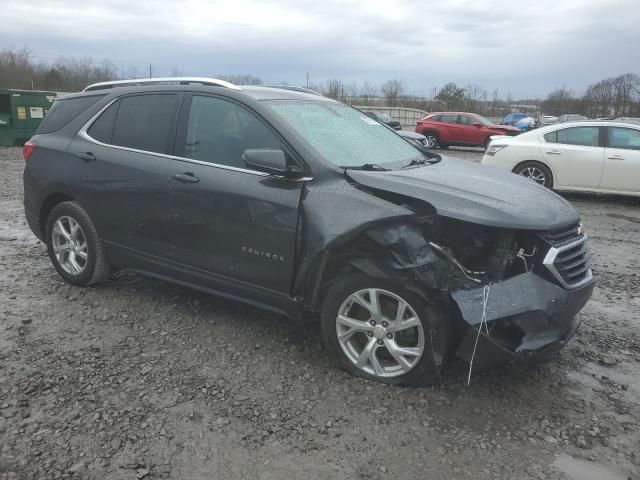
(535, 174)
(69, 245)
(380, 333)
(432, 141)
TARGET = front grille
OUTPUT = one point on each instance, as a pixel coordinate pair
(562, 236)
(568, 260)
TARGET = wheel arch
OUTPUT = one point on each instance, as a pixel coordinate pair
(430, 131)
(47, 205)
(332, 264)
(544, 164)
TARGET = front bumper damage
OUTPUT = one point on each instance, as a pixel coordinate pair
(527, 317)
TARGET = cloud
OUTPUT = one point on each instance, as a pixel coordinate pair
(524, 48)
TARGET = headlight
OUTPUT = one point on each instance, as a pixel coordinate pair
(582, 229)
(493, 149)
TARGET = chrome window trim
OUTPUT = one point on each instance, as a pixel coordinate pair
(551, 256)
(84, 134)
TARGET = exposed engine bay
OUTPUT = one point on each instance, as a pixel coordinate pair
(484, 254)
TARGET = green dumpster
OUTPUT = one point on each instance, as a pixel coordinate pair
(21, 111)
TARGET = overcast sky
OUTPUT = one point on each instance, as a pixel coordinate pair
(526, 48)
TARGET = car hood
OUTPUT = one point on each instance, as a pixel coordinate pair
(475, 193)
(506, 128)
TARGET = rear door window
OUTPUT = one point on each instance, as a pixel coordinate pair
(586, 136)
(63, 111)
(449, 118)
(145, 122)
(465, 120)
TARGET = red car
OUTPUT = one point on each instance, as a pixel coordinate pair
(444, 129)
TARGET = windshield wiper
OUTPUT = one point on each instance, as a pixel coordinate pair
(368, 166)
(421, 161)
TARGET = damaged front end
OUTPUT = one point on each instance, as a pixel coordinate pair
(537, 281)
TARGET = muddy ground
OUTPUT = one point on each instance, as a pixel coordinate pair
(141, 379)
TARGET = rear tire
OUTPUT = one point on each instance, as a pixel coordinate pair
(409, 348)
(536, 171)
(74, 247)
(432, 140)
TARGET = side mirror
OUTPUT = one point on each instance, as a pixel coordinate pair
(477, 124)
(266, 160)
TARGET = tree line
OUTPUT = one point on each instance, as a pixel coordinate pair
(19, 69)
(611, 97)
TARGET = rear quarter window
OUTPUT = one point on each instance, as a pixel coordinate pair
(65, 110)
(102, 128)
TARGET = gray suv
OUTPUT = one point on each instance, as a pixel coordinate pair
(299, 204)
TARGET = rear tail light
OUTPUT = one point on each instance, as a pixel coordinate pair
(493, 149)
(28, 149)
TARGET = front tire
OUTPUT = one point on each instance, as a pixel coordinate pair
(535, 171)
(380, 330)
(74, 247)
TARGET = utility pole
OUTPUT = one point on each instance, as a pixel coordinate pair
(150, 75)
(307, 79)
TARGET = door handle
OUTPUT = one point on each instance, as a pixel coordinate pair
(554, 152)
(186, 177)
(615, 157)
(87, 156)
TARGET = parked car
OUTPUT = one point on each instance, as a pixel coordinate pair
(513, 118)
(444, 129)
(413, 137)
(420, 140)
(299, 204)
(571, 117)
(587, 156)
(386, 119)
(547, 120)
(525, 124)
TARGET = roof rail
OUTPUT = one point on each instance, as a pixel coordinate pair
(295, 89)
(161, 80)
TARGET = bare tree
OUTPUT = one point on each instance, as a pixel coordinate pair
(473, 95)
(334, 88)
(368, 92)
(16, 69)
(561, 100)
(598, 99)
(625, 88)
(391, 90)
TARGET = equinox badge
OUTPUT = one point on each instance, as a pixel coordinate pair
(263, 253)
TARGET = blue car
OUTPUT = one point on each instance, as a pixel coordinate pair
(512, 118)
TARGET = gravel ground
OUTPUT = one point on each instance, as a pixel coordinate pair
(141, 379)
